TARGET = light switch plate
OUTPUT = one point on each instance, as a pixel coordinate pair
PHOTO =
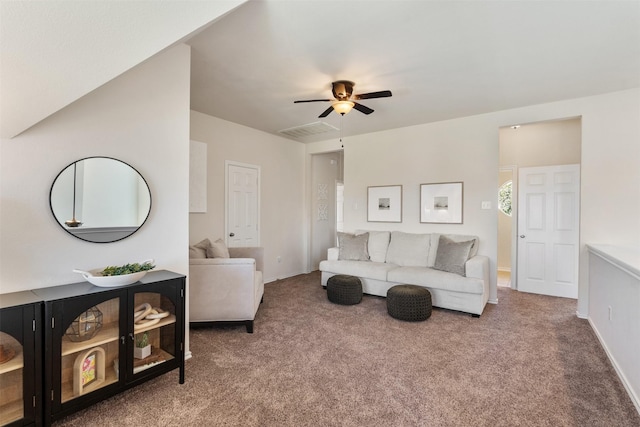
(486, 205)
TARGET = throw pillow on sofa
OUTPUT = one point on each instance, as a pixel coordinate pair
(218, 250)
(352, 247)
(452, 256)
(199, 250)
(378, 244)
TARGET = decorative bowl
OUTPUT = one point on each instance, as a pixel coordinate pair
(96, 278)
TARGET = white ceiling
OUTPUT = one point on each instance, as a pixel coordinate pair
(441, 59)
(56, 51)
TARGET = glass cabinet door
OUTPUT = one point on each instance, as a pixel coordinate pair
(20, 370)
(90, 348)
(154, 330)
(11, 379)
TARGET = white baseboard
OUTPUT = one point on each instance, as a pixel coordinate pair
(284, 276)
(187, 355)
(492, 301)
(623, 378)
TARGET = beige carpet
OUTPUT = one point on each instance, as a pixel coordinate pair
(525, 362)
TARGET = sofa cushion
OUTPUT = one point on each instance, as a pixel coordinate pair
(378, 244)
(352, 247)
(408, 249)
(199, 250)
(436, 279)
(452, 255)
(218, 250)
(368, 270)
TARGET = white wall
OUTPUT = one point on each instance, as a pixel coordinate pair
(142, 118)
(466, 150)
(282, 196)
(548, 143)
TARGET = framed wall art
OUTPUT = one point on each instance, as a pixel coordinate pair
(441, 203)
(384, 204)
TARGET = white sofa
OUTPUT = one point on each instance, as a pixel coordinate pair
(226, 289)
(409, 258)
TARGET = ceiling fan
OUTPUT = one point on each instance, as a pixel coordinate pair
(345, 100)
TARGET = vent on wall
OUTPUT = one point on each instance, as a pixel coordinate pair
(308, 130)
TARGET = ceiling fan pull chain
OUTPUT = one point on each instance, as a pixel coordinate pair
(341, 126)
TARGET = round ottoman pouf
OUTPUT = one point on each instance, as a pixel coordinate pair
(343, 289)
(409, 302)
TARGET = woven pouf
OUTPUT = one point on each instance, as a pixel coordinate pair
(343, 289)
(409, 302)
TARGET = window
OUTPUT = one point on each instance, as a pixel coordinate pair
(504, 198)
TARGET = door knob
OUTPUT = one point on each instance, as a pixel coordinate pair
(231, 234)
(522, 236)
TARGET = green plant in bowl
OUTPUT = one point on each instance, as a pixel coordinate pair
(127, 269)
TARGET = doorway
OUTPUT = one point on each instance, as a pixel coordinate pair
(326, 175)
(549, 143)
(507, 191)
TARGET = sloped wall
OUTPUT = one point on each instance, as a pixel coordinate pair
(141, 118)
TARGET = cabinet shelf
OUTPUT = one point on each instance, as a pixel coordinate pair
(10, 412)
(108, 333)
(16, 363)
(161, 356)
(67, 387)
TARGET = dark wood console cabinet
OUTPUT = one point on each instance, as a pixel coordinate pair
(20, 360)
(90, 336)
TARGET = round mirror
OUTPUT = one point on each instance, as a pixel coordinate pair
(100, 199)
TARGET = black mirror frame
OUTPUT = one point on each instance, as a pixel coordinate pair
(100, 157)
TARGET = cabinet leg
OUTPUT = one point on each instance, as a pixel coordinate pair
(249, 325)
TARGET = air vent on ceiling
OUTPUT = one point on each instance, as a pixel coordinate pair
(308, 130)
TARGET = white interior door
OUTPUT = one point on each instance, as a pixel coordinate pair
(243, 205)
(548, 230)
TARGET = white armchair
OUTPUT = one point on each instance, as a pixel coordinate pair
(226, 289)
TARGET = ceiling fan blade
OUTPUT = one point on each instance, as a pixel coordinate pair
(362, 108)
(326, 112)
(371, 95)
(312, 100)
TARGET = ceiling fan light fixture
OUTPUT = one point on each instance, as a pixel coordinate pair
(342, 107)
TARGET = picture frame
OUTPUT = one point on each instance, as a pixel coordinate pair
(441, 203)
(384, 203)
(88, 371)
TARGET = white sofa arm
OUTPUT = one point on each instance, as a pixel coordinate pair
(332, 254)
(478, 267)
(255, 252)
